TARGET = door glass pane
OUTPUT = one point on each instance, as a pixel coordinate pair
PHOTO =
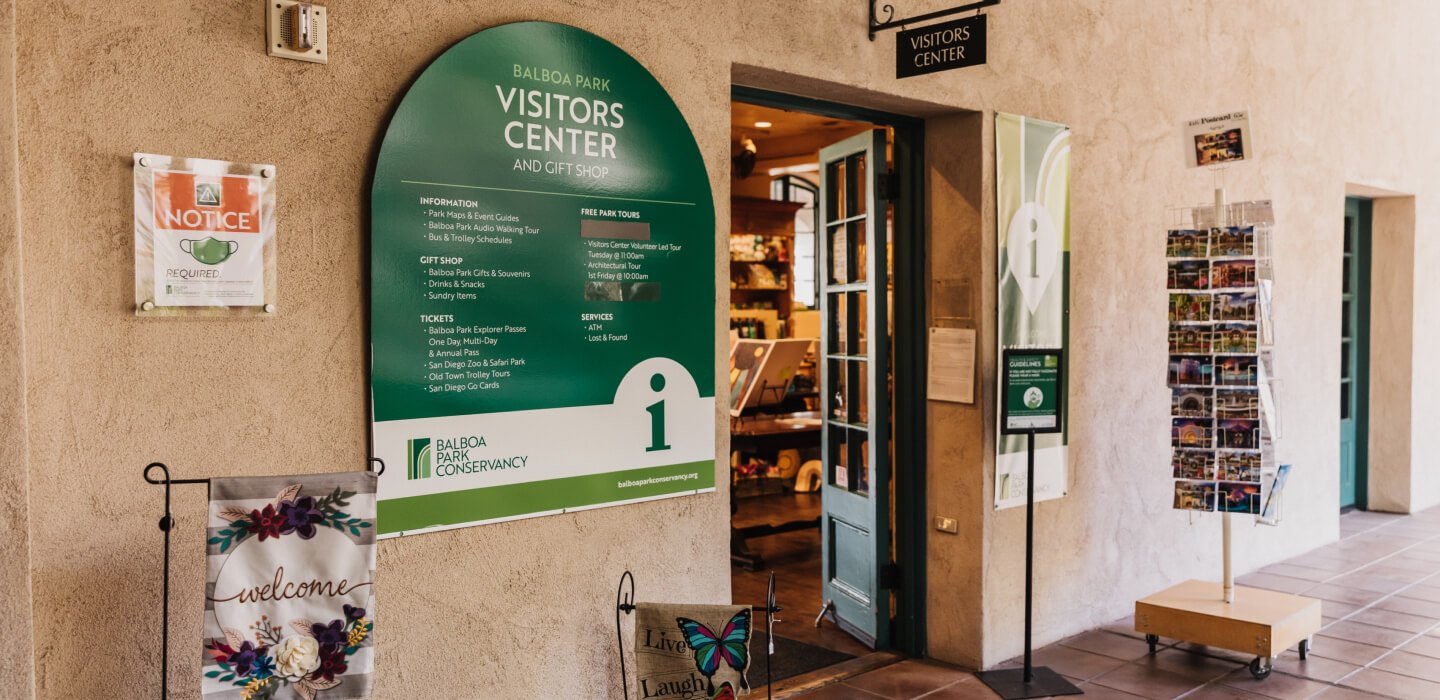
(839, 458)
(1344, 359)
(860, 308)
(836, 197)
(838, 325)
(839, 255)
(1344, 319)
(1344, 400)
(858, 250)
(1349, 234)
(861, 457)
(859, 187)
(1345, 277)
(861, 394)
(837, 391)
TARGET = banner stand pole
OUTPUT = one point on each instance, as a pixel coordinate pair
(1228, 588)
(1028, 681)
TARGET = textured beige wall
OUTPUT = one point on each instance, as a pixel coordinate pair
(16, 659)
(1340, 91)
(1392, 354)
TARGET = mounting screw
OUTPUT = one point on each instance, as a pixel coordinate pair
(166, 523)
(269, 308)
(145, 161)
(147, 306)
(267, 172)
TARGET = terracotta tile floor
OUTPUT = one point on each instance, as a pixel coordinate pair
(1381, 590)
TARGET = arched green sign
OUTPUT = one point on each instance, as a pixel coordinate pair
(542, 286)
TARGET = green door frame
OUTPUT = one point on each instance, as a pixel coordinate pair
(908, 361)
(1355, 312)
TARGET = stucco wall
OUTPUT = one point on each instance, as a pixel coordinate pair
(1340, 92)
(16, 659)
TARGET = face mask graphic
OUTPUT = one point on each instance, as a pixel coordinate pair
(209, 251)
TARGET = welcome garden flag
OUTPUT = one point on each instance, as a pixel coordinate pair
(690, 652)
(290, 588)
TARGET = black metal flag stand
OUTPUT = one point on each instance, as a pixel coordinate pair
(1028, 682)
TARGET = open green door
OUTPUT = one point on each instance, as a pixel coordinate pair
(855, 393)
(1355, 354)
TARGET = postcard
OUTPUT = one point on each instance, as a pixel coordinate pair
(1232, 240)
(1190, 371)
(1189, 275)
(1238, 434)
(1235, 337)
(1239, 466)
(1236, 403)
(1187, 243)
(1230, 306)
(1195, 495)
(1236, 497)
(1190, 307)
(1193, 433)
(1235, 370)
(1190, 340)
(1230, 274)
(1196, 465)
(1191, 402)
(1277, 487)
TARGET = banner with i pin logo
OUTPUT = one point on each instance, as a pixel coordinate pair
(542, 287)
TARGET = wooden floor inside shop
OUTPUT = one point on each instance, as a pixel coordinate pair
(795, 559)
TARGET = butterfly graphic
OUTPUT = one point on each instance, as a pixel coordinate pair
(726, 692)
(709, 648)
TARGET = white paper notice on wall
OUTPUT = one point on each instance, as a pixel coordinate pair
(952, 365)
(1215, 140)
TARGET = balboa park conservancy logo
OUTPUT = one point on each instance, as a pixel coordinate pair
(454, 456)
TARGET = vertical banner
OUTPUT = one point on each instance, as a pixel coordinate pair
(290, 588)
(542, 259)
(1032, 163)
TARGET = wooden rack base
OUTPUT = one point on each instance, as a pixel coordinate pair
(1260, 622)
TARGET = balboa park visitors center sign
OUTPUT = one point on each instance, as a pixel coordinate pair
(542, 286)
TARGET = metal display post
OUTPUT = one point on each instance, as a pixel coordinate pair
(1028, 681)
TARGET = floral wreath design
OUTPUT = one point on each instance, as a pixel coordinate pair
(313, 658)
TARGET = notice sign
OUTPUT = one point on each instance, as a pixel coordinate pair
(1223, 138)
(940, 47)
(204, 233)
(543, 286)
(1031, 395)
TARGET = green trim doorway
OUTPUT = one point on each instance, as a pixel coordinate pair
(1355, 355)
(908, 359)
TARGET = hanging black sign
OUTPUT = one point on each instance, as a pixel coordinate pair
(940, 47)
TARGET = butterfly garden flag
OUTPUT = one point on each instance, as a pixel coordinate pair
(290, 588)
(692, 652)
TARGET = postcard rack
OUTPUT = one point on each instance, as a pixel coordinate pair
(625, 604)
(167, 523)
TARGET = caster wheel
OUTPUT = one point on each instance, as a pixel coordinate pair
(1260, 669)
(1154, 641)
(1304, 649)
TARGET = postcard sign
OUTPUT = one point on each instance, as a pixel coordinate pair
(1031, 393)
(1222, 138)
(940, 47)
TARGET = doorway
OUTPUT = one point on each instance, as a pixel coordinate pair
(1355, 355)
(825, 246)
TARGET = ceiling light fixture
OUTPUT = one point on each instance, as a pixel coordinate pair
(762, 125)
